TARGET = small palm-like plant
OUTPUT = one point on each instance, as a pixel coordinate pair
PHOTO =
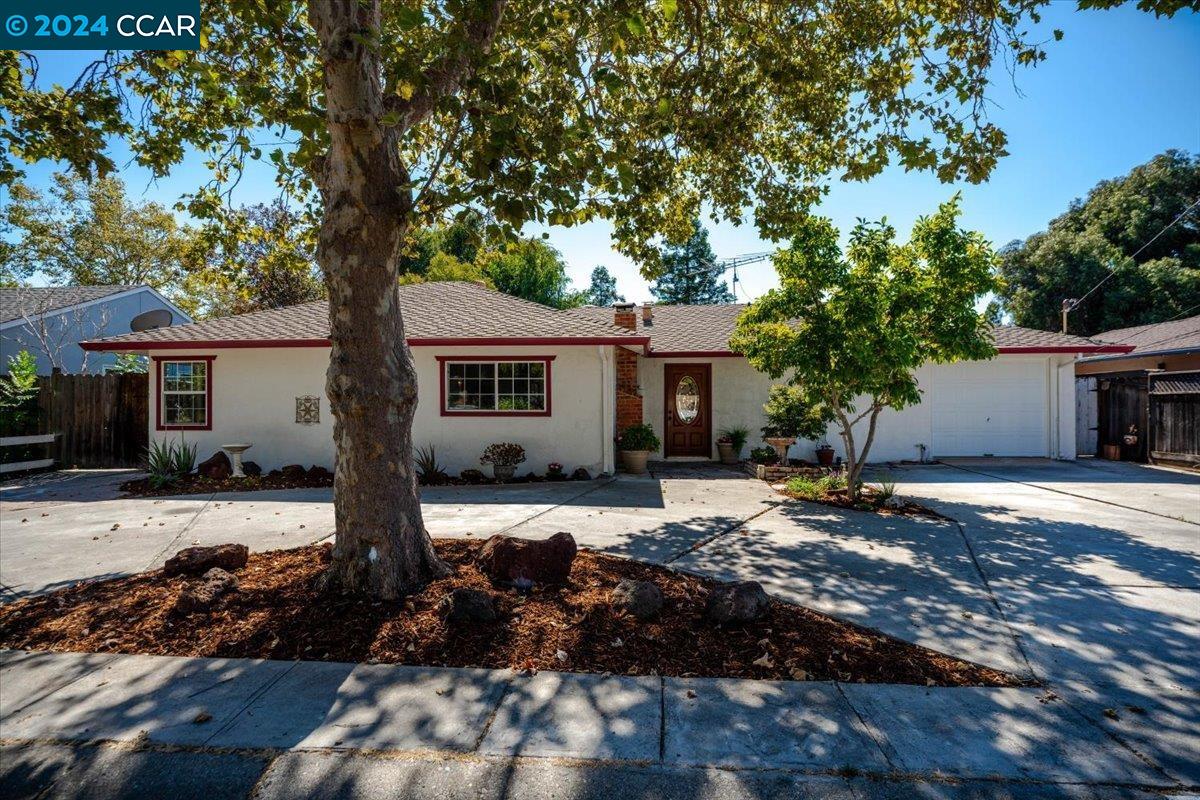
(429, 471)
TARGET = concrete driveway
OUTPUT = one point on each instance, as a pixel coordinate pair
(60, 528)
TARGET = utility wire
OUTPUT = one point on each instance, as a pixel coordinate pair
(1151, 241)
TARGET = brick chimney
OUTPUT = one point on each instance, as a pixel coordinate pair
(647, 313)
(623, 316)
(629, 397)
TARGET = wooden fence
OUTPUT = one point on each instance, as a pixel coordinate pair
(101, 420)
(1175, 417)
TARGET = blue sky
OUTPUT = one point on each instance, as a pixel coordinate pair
(1121, 87)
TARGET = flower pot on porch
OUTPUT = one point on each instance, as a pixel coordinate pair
(1112, 452)
(634, 461)
(727, 454)
(504, 472)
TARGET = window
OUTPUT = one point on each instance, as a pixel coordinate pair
(506, 386)
(185, 393)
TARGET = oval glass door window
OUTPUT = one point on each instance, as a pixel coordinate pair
(687, 400)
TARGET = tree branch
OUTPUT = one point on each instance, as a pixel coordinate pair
(445, 77)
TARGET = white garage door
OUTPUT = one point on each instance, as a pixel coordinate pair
(993, 408)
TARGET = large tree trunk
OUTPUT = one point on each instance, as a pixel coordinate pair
(381, 547)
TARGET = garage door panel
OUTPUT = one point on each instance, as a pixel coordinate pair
(993, 407)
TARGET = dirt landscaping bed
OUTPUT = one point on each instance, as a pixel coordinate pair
(870, 499)
(276, 613)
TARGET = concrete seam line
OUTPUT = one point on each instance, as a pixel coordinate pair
(491, 717)
(556, 506)
(1120, 741)
(662, 719)
(187, 526)
(774, 504)
(870, 729)
(250, 700)
(1069, 494)
(987, 587)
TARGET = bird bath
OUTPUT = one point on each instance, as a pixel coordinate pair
(235, 453)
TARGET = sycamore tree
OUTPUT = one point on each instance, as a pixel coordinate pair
(397, 113)
(848, 330)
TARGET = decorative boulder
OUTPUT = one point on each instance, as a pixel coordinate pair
(201, 596)
(217, 467)
(581, 474)
(642, 599)
(251, 469)
(275, 473)
(469, 605)
(744, 601)
(511, 559)
(198, 560)
(316, 473)
(293, 472)
(472, 476)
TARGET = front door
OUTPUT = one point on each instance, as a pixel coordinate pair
(688, 396)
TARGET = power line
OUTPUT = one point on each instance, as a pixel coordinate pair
(1113, 270)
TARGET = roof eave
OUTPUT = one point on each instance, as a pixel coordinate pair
(414, 341)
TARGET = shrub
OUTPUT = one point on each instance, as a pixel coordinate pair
(736, 437)
(429, 471)
(639, 437)
(18, 395)
(804, 488)
(789, 415)
(886, 489)
(167, 462)
(764, 455)
(503, 454)
(554, 469)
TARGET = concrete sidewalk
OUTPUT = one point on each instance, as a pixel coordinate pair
(312, 721)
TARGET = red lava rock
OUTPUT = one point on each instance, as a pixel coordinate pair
(199, 560)
(744, 601)
(293, 471)
(217, 466)
(511, 559)
(317, 473)
(201, 596)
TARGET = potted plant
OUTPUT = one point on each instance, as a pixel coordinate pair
(730, 444)
(636, 444)
(504, 458)
(825, 454)
(554, 472)
(790, 417)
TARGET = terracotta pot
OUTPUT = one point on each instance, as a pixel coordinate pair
(504, 472)
(726, 452)
(634, 461)
(825, 456)
(1112, 452)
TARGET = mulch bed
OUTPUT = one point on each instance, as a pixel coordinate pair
(869, 501)
(276, 613)
(197, 484)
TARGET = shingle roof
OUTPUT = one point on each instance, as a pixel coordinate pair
(433, 312)
(1179, 334)
(24, 301)
(1183, 384)
(707, 328)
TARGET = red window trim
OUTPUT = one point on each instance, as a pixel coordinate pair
(485, 359)
(159, 425)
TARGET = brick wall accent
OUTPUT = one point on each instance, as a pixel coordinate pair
(629, 398)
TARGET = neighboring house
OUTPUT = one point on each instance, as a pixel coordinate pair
(494, 368)
(50, 322)
(1171, 346)
(1151, 393)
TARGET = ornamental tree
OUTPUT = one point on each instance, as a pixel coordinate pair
(847, 331)
(397, 113)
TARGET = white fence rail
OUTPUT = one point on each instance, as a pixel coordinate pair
(18, 441)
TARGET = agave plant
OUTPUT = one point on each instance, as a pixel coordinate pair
(429, 471)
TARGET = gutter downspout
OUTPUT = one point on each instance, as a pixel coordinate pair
(608, 408)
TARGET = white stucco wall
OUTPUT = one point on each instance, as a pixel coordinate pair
(254, 392)
(739, 392)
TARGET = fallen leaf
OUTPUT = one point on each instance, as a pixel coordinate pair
(764, 661)
(202, 718)
(1111, 713)
(561, 655)
(799, 674)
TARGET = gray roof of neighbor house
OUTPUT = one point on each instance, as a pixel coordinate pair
(434, 313)
(19, 302)
(705, 330)
(1161, 337)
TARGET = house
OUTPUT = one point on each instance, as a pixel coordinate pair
(494, 368)
(50, 322)
(1151, 393)
(1171, 346)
